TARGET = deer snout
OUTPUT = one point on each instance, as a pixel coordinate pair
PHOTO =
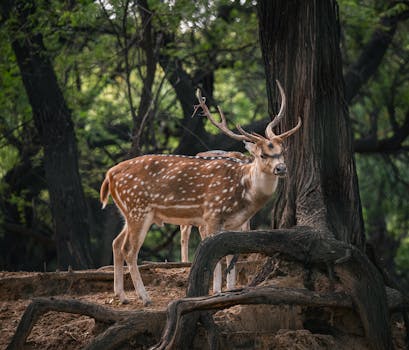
(280, 169)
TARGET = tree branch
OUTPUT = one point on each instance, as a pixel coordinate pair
(371, 56)
(391, 145)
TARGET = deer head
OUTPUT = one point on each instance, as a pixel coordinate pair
(267, 150)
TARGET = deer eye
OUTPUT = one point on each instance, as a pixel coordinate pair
(270, 145)
(262, 156)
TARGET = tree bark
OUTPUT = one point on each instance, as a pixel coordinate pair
(52, 119)
(300, 47)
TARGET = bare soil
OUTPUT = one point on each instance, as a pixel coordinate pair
(57, 330)
(251, 327)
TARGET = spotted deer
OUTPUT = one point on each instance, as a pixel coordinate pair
(213, 193)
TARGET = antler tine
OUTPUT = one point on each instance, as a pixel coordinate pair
(251, 136)
(269, 129)
(248, 136)
(222, 125)
(292, 131)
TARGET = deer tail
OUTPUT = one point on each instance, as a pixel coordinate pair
(104, 192)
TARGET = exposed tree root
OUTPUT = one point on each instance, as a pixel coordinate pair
(123, 324)
(358, 276)
(249, 296)
(270, 295)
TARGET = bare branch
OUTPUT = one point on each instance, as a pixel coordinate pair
(391, 145)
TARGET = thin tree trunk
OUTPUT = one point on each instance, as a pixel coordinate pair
(193, 133)
(145, 109)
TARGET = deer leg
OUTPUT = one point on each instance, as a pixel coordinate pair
(119, 266)
(205, 231)
(231, 275)
(184, 242)
(217, 278)
(245, 226)
(132, 244)
(231, 272)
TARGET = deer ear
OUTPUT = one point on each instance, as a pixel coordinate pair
(250, 146)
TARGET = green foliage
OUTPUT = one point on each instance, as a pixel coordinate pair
(8, 159)
(381, 105)
(87, 46)
(381, 193)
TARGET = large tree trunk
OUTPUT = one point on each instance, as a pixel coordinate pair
(300, 47)
(52, 119)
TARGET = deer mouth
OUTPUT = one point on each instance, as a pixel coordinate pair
(280, 170)
(280, 174)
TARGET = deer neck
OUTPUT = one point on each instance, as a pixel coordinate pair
(262, 184)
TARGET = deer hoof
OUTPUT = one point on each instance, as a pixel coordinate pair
(147, 302)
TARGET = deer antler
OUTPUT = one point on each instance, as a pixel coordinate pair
(222, 125)
(284, 135)
(253, 137)
(269, 129)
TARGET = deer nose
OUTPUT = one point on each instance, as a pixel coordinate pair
(280, 169)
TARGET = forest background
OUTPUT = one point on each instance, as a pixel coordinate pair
(116, 79)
